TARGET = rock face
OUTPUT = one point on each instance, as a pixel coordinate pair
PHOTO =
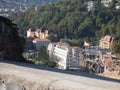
(11, 44)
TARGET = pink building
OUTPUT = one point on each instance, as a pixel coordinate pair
(106, 42)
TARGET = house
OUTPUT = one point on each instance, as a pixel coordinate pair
(37, 33)
(40, 42)
(117, 6)
(106, 42)
(107, 60)
(31, 33)
(89, 43)
(66, 57)
(90, 5)
(106, 3)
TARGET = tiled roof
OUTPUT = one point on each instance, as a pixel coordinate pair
(54, 43)
(32, 29)
(46, 31)
(107, 38)
(60, 43)
(38, 40)
(107, 60)
(73, 47)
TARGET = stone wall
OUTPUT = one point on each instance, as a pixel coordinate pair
(11, 44)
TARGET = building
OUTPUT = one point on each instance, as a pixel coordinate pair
(37, 33)
(90, 5)
(31, 33)
(75, 57)
(106, 42)
(92, 53)
(40, 42)
(106, 3)
(117, 6)
(66, 57)
(89, 43)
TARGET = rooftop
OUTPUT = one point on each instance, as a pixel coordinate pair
(73, 47)
(107, 38)
(41, 40)
(107, 60)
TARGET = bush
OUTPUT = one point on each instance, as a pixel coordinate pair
(51, 64)
(44, 63)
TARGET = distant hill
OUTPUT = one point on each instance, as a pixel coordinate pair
(27, 3)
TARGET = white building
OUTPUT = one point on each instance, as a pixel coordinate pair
(117, 6)
(52, 46)
(106, 3)
(90, 5)
(67, 57)
(41, 42)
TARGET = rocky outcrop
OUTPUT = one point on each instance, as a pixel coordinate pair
(11, 44)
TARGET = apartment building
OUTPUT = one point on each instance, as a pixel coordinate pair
(67, 57)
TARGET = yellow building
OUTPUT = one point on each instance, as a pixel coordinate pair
(37, 33)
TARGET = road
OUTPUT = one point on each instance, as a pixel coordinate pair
(34, 77)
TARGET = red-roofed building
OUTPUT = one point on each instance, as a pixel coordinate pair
(107, 60)
(106, 42)
(73, 47)
(41, 42)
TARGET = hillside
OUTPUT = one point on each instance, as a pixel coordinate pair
(71, 19)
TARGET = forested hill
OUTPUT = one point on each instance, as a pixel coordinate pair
(71, 19)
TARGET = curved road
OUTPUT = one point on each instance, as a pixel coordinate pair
(34, 77)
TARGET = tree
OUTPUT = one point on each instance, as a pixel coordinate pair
(76, 42)
(52, 38)
(85, 28)
(116, 48)
(70, 19)
(42, 53)
(112, 4)
(43, 58)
